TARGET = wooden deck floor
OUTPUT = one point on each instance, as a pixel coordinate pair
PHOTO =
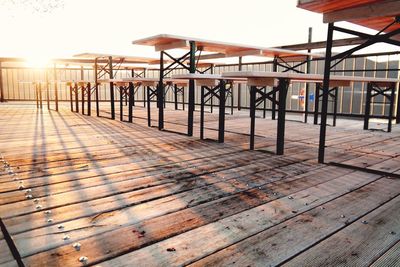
(113, 193)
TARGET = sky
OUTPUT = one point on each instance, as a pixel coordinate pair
(62, 28)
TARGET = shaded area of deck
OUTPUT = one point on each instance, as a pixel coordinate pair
(126, 194)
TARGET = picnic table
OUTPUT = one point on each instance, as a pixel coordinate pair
(195, 49)
(280, 82)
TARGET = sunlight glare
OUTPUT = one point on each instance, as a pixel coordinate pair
(37, 62)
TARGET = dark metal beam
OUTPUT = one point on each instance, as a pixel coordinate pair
(1, 85)
(325, 92)
(192, 69)
(319, 45)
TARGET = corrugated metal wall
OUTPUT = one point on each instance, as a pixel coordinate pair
(351, 100)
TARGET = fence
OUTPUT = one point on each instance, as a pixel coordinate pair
(351, 100)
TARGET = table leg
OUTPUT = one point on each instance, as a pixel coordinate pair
(252, 115)
(148, 107)
(222, 100)
(202, 113)
(131, 101)
(367, 107)
(280, 141)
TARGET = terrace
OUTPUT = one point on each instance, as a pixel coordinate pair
(185, 162)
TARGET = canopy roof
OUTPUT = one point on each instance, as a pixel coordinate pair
(374, 14)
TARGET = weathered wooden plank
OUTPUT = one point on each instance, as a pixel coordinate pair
(206, 240)
(391, 258)
(5, 253)
(140, 167)
(91, 208)
(172, 223)
(358, 244)
(50, 237)
(280, 243)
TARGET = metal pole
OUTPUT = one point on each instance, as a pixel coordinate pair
(1, 85)
(327, 70)
(316, 102)
(55, 86)
(308, 70)
(40, 96)
(391, 107)
(148, 105)
(131, 101)
(76, 98)
(367, 106)
(89, 98)
(231, 89)
(274, 69)
(265, 104)
(83, 91)
(192, 69)
(398, 105)
(70, 96)
(160, 94)
(176, 96)
(121, 103)
(37, 94)
(335, 106)
(239, 105)
(47, 89)
(183, 97)
(252, 115)
(212, 95)
(222, 98)
(280, 141)
(133, 95)
(202, 113)
(144, 90)
(96, 88)
(112, 99)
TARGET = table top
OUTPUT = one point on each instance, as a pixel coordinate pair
(304, 76)
(131, 59)
(168, 41)
(147, 81)
(301, 77)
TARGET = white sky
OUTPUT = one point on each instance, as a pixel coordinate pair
(62, 28)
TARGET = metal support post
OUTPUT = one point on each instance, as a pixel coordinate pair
(273, 105)
(112, 99)
(308, 70)
(252, 115)
(222, 100)
(239, 105)
(131, 101)
(327, 70)
(367, 108)
(192, 69)
(160, 94)
(202, 113)
(280, 141)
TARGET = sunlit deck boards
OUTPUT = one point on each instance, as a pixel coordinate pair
(133, 195)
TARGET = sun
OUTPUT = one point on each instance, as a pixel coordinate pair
(37, 62)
